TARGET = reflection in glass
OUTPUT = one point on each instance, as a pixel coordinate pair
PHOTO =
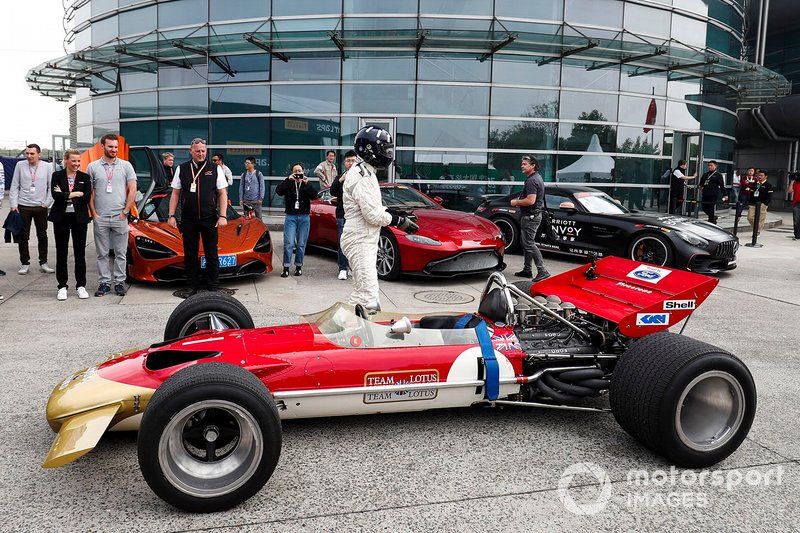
(305, 98)
(455, 100)
(455, 7)
(133, 80)
(363, 98)
(251, 130)
(308, 131)
(533, 103)
(364, 67)
(104, 30)
(438, 67)
(181, 77)
(238, 99)
(248, 67)
(534, 9)
(601, 79)
(137, 21)
(522, 135)
(594, 12)
(181, 132)
(105, 109)
(506, 69)
(588, 106)
(579, 137)
(464, 133)
(299, 68)
(141, 133)
(647, 20)
(183, 102)
(138, 105)
(307, 7)
(182, 13)
(243, 9)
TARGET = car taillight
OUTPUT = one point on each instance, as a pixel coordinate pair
(150, 249)
(264, 243)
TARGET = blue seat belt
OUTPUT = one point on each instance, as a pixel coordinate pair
(489, 359)
(462, 322)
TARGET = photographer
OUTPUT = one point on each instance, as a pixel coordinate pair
(297, 193)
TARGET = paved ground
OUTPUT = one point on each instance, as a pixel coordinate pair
(495, 470)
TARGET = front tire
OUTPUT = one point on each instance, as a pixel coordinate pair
(210, 438)
(651, 248)
(510, 230)
(686, 400)
(388, 257)
(207, 310)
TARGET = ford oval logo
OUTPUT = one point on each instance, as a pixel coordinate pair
(644, 274)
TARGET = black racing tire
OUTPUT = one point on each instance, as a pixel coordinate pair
(651, 248)
(207, 410)
(510, 230)
(195, 312)
(686, 400)
(388, 257)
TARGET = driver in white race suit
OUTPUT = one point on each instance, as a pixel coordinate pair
(365, 214)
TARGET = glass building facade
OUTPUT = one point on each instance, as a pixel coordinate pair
(603, 92)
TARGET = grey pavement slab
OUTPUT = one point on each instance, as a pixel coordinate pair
(462, 469)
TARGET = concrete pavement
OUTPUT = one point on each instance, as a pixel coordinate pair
(467, 469)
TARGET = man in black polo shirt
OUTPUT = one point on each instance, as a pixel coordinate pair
(711, 183)
(531, 204)
(201, 189)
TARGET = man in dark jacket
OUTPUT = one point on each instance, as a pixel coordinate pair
(761, 196)
(711, 184)
(297, 193)
(202, 190)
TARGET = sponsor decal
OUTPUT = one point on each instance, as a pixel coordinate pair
(677, 305)
(648, 273)
(565, 230)
(652, 319)
(400, 377)
(355, 341)
(506, 342)
(633, 287)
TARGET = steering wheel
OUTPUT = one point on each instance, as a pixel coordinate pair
(361, 311)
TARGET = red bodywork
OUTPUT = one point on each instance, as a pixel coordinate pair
(457, 232)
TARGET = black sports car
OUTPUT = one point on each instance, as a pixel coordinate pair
(581, 220)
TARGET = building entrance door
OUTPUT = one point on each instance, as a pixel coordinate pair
(390, 125)
(688, 146)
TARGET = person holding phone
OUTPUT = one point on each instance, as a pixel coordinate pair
(297, 193)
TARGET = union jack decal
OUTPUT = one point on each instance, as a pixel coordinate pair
(506, 342)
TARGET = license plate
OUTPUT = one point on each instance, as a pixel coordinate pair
(224, 261)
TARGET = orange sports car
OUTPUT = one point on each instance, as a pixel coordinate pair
(155, 250)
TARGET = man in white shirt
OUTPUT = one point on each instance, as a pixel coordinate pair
(326, 171)
(218, 160)
(30, 195)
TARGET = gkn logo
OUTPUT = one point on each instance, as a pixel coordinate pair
(652, 319)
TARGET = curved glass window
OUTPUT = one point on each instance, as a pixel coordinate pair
(655, 85)
(634, 110)
(633, 140)
(137, 21)
(594, 12)
(506, 69)
(240, 9)
(370, 6)
(718, 121)
(138, 105)
(452, 100)
(104, 31)
(522, 135)
(102, 6)
(183, 102)
(307, 7)
(588, 106)
(182, 13)
(305, 98)
(381, 98)
(681, 116)
(380, 24)
(436, 67)
(645, 20)
(532, 103)
(309, 131)
(139, 133)
(532, 9)
(250, 130)
(689, 31)
(695, 6)
(237, 99)
(456, 7)
(306, 68)
(247, 67)
(602, 79)
(181, 132)
(181, 77)
(366, 67)
(464, 133)
(579, 137)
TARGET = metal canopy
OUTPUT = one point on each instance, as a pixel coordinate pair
(754, 84)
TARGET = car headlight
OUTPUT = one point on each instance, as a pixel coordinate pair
(150, 249)
(419, 239)
(264, 243)
(691, 238)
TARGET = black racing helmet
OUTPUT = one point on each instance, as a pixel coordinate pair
(375, 146)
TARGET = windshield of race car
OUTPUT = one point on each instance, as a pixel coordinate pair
(600, 203)
(402, 196)
(340, 325)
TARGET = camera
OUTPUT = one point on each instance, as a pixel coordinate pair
(297, 176)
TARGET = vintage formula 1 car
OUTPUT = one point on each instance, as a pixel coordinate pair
(208, 401)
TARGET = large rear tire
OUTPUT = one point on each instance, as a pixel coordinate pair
(210, 438)
(510, 230)
(686, 400)
(388, 257)
(207, 310)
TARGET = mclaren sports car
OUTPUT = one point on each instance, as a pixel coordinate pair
(155, 250)
(579, 221)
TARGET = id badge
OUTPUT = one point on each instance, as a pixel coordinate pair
(33, 188)
(297, 204)
(755, 194)
(193, 187)
(108, 188)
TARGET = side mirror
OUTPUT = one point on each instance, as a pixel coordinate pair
(438, 199)
(569, 207)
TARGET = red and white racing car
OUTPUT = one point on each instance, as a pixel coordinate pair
(208, 400)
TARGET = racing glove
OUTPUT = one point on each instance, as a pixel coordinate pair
(406, 223)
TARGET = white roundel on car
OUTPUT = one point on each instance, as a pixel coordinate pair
(465, 368)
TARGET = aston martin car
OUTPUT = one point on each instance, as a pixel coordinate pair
(448, 243)
(579, 221)
(155, 250)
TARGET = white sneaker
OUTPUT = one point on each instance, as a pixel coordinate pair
(23, 269)
(349, 273)
(82, 294)
(343, 274)
(44, 267)
(62, 294)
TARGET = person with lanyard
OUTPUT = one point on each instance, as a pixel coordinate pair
(113, 193)
(202, 191)
(30, 196)
(337, 191)
(761, 195)
(298, 193)
(677, 186)
(251, 188)
(531, 204)
(71, 190)
(711, 183)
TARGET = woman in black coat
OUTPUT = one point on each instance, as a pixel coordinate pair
(71, 190)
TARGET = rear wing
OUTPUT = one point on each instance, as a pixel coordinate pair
(641, 298)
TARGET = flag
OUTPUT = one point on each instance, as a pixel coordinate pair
(651, 115)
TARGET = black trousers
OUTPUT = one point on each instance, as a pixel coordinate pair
(193, 231)
(709, 208)
(38, 215)
(62, 230)
(675, 203)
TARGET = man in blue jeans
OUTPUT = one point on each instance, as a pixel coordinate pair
(297, 193)
(337, 190)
